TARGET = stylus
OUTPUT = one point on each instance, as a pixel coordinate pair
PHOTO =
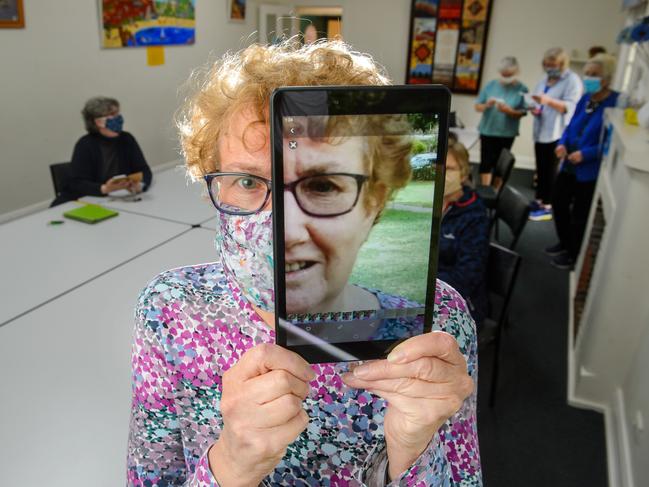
(332, 350)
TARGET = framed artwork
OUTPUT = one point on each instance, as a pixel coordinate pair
(11, 14)
(237, 10)
(447, 43)
(146, 23)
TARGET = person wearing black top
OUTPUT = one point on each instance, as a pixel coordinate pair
(104, 152)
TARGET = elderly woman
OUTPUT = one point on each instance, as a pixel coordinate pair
(554, 100)
(105, 152)
(215, 402)
(580, 151)
(502, 105)
(464, 235)
(344, 179)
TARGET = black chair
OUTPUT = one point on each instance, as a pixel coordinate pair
(502, 270)
(60, 173)
(502, 171)
(513, 209)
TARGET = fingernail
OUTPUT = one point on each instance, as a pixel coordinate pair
(396, 356)
(360, 371)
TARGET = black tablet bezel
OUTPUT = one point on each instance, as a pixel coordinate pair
(352, 100)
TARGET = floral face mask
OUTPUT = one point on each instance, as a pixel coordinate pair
(245, 246)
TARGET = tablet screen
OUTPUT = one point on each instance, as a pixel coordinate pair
(359, 208)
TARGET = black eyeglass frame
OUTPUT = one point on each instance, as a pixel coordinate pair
(360, 180)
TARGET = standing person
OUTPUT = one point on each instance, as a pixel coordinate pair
(464, 235)
(215, 400)
(580, 151)
(556, 96)
(502, 105)
(104, 152)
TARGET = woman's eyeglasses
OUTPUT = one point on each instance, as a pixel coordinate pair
(321, 195)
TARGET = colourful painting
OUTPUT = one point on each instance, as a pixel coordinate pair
(447, 42)
(11, 14)
(467, 69)
(425, 8)
(425, 29)
(475, 10)
(448, 33)
(237, 10)
(450, 9)
(138, 23)
(421, 62)
(472, 32)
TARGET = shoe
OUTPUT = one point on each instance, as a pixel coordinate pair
(563, 261)
(535, 205)
(555, 250)
(541, 215)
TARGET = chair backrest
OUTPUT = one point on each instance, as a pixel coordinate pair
(59, 172)
(502, 270)
(514, 209)
(504, 165)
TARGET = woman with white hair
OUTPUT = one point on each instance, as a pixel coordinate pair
(502, 105)
(580, 152)
(106, 152)
(555, 98)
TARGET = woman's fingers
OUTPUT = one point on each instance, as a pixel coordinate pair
(267, 357)
(437, 344)
(429, 369)
(278, 412)
(288, 432)
(274, 384)
(407, 386)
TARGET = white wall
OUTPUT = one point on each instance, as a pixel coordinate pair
(52, 66)
(636, 402)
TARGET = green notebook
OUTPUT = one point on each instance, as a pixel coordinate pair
(90, 213)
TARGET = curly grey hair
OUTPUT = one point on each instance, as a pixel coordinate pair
(508, 63)
(97, 107)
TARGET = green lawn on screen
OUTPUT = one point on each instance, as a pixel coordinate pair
(395, 257)
(417, 193)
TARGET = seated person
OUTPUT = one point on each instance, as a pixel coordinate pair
(104, 152)
(464, 235)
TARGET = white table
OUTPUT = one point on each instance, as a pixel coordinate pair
(40, 262)
(171, 197)
(65, 376)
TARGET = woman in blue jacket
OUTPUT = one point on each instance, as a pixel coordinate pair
(464, 236)
(580, 150)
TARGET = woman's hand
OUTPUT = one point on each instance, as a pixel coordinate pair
(504, 108)
(113, 185)
(560, 151)
(542, 99)
(134, 187)
(425, 382)
(576, 157)
(261, 404)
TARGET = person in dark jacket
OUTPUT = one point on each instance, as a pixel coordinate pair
(580, 152)
(103, 153)
(464, 235)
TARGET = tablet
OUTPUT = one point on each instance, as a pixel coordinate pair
(357, 184)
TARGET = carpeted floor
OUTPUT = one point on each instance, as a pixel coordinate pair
(532, 437)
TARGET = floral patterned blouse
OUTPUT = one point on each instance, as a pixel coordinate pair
(192, 325)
